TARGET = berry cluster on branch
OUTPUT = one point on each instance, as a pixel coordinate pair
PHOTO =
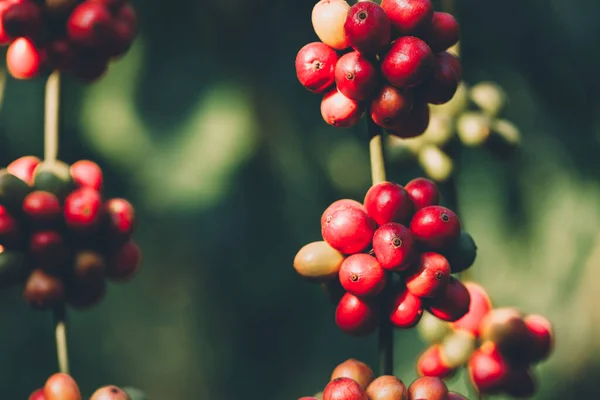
(354, 380)
(59, 236)
(393, 256)
(499, 346)
(61, 386)
(388, 60)
(80, 37)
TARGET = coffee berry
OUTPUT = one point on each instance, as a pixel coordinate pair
(59, 237)
(62, 386)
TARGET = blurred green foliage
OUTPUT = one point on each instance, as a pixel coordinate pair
(204, 127)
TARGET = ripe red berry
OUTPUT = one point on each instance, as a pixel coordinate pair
(435, 227)
(452, 304)
(83, 209)
(361, 275)
(367, 27)
(430, 276)
(387, 387)
(407, 309)
(507, 329)
(442, 85)
(431, 363)
(121, 219)
(453, 61)
(124, 263)
(22, 19)
(88, 266)
(356, 316)
(355, 76)
(488, 370)
(541, 341)
(87, 173)
(42, 208)
(124, 31)
(339, 205)
(521, 383)
(409, 17)
(443, 33)
(388, 202)
(90, 24)
(23, 167)
(10, 232)
(315, 66)
(61, 386)
(408, 62)
(393, 246)
(344, 389)
(4, 38)
(24, 60)
(355, 370)
(428, 387)
(414, 124)
(423, 192)
(43, 291)
(349, 230)
(390, 105)
(49, 250)
(110, 392)
(480, 305)
(37, 395)
(340, 111)
(84, 295)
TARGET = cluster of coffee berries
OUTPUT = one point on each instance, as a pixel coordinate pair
(59, 236)
(354, 380)
(499, 346)
(393, 256)
(388, 60)
(62, 386)
(74, 36)
(473, 118)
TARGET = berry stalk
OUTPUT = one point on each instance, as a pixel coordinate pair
(51, 128)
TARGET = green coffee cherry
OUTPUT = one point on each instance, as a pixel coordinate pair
(457, 348)
(489, 97)
(432, 329)
(440, 129)
(473, 128)
(54, 177)
(14, 268)
(462, 255)
(437, 164)
(12, 191)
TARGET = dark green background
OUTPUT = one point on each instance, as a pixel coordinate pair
(204, 127)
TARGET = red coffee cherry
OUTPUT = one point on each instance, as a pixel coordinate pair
(42, 208)
(443, 33)
(344, 389)
(61, 387)
(83, 296)
(37, 395)
(408, 62)
(521, 383)
(541, 341)
(423, 192)
(124, 30)
(388, 202)
(407, 309)
(442, 85)
(355, 76)
(10, 232)
(88, 266)
(435, 227)
(387, 387)
(393, 246)
(23, 167)
(90, 24)
(430, 276)
(49, 250)
(121, 219)
(124, 263)
(453, 61)
(390, 105)
(453, 303)
(83, 209)
(431, 363)
(110, 392)
(4, 6)
(414, 124)
(43, 291)
(409, 17)
(428, 387)
(22, 19)
(488, 370)
(315, 66)
(355, 370)
(356, 316)
(480, 305)
(506, 328)
(340, 111)
(338, 205)
(361, 275)
(456, 396)
(87, 173)
(24, 60)
(349, 230)
(367, 27)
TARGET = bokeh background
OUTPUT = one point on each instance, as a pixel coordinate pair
(204, 127)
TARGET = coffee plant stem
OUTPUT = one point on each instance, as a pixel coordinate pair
(386, 332)
(51, 128)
